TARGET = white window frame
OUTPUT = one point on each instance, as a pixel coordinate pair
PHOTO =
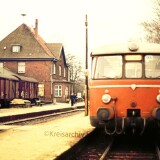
(58, 90)
(16, 48)
(21, 67)
(54, 68)
(64, 72)
(60, 70)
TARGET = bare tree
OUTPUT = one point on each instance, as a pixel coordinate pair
(76, 72)
(75, 67)
(152, 27)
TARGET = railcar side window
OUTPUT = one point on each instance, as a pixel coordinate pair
(108, 67)
(152, 66)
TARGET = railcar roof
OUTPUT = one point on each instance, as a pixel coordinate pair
(127, 48)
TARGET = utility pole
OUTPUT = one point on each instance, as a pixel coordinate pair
(86, 73)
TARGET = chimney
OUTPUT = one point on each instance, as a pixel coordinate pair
(36, 28)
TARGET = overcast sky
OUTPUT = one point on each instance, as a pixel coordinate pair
(64, 20)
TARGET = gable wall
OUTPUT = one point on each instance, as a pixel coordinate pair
(60, 62)
(61, 80)
(31, 48)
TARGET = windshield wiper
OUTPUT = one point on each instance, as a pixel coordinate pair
(109, 77)
(154, 77)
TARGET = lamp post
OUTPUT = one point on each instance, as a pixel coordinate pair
(86, 73)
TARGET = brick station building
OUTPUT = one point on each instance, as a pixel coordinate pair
(25, 53)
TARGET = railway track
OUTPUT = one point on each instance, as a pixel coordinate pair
(40, 118)
(98, 146)
(131, 149)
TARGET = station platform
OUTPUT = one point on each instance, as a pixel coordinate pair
(44, 141)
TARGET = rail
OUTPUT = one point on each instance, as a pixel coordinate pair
(157, 151)
(106, 150)
(103, 147)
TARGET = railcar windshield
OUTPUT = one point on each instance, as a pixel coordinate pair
(126, 66)
(133, 70)
(107, 67)
(152, 66)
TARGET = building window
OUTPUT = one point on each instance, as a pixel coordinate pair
(58, 91)
(41, 89)
(69, 78)
(64, 72)
(21, 67)
(60, 70)
(54, 68)
(16, 48)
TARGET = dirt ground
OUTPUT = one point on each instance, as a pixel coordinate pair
(43, 141)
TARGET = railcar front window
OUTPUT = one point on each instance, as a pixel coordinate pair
(133, 70)
(108, 67)
(152, 66)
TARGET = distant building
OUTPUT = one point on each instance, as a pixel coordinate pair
(25, 53)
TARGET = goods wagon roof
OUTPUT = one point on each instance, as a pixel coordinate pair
(127, 48)
(7, 76)
(29, 79)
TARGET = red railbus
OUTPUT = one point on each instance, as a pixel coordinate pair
(125, 88)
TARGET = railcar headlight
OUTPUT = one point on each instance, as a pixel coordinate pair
(106, 98)
(158, 98)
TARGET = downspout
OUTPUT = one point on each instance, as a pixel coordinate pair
(51, 81)
(29, 90)
(4, 89)
(0, 90)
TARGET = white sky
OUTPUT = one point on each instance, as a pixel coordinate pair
(64, 20)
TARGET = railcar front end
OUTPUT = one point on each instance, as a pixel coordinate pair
(125, 88)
